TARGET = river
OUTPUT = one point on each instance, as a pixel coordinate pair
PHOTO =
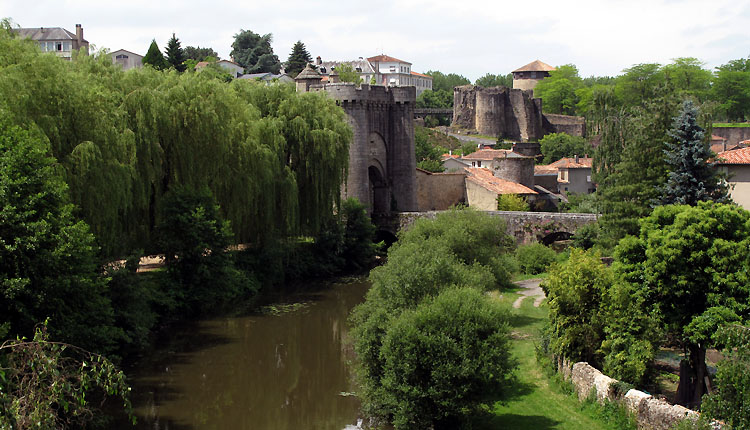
(286, 369)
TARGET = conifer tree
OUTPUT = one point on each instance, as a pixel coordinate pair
(691, 178)
(154, 57)
(175, 54)
(298, 59)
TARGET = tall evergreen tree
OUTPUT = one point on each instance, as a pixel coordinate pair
(154, 57)
(175, 55)
(691, 178)
(298, 59)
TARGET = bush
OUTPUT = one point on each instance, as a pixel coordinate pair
(512, 202)
(535, 258)
(444, 358)
(575, 292)
(587, 236)
(731, 401)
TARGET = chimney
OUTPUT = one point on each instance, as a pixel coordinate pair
(575, 158)
(42, 29)
(318, 61)
(79, 34)
(724, 142)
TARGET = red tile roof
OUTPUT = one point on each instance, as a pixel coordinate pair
(485, 179)
(487, 154)
(386, 59)
(718, 138)
(735, 156)
(535, 66)
(570, 163)
(446, 156)
(421, 74)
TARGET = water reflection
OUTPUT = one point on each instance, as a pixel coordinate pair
(260, 372)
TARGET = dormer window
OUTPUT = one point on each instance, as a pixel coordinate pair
(322, 70)
(359, 69)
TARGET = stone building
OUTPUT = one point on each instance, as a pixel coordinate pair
(736, 165)
(566, 175)
(526, 77)
(56, 39)
(382, 163)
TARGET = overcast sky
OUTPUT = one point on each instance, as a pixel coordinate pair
(468, 37)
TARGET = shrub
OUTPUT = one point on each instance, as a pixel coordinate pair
(575, 292)
(535, 258)
(512, 202)
(586, 236)
(444, 358)
(731, 401)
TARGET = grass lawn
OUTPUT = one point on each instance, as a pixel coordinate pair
(537, 402)
(730, 124)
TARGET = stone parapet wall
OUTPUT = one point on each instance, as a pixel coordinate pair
(572, 125)
(440, 191)
(733, 135)
(650, 413)
(498, 111)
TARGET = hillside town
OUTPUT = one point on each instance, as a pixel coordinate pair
(190, 241)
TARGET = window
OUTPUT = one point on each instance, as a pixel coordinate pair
(588, 178)
(322, 70)
(393, 69)
(67, 46)
(359, 69)
(121, 57)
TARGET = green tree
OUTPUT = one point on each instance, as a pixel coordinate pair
(490, 80)
(199, 54)
(175, 55)
(512, 202)
(154, 57)
(558, 91)
(575, 293)
(47, 257)
(535, 258)
(298, 59)
(348, 74)
(445, 358)
(555, 146)
(691, 178)
(359, 245)
(689, 77)
(441, 81)
(429, 156)
(254, 52)
(690, 267)
(435, 99)
(731, 89)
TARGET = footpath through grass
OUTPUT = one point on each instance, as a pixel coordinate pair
(537, 402)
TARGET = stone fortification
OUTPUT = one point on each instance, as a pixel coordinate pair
(498, 111)
(508, 113)
(573, 125)
(514, 168)
(650, 413)
(382, 163)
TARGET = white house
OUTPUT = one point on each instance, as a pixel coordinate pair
(56, 39)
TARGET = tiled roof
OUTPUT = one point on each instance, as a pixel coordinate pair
(308, 73)
(487, 154)
(446, 156)
(715, 137)
(545, 170)
(535, 66)
(363, 65)
(125, 50)
(228, 61)
(421, 74)
(485, 179)
(386, 59)
(735, 156)
(570, 163)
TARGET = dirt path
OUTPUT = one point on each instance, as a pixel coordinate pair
(530, 288)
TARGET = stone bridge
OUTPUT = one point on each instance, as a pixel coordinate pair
(438, 113)
(525, 227)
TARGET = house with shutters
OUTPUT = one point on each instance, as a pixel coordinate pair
(57, 40)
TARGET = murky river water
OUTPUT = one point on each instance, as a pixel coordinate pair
(275, 372)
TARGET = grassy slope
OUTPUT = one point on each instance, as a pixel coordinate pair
(537, 403)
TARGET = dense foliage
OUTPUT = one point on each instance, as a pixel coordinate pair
(254, 52)
(555, 146)
(490, 80)
(261, 150)
(535, 258)
(731, 402)
(199, 54)
(412, 307)
(512, 202)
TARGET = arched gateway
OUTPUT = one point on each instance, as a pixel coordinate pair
(382, 165)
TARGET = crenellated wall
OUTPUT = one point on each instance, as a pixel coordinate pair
(382, 164)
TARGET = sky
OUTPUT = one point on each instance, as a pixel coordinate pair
(467, 37)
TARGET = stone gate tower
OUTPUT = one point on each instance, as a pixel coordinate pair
(382, 164)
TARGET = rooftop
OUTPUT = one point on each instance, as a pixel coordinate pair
(46, 33)
(386, 59)
(535, 66)
(570, 163)
(485, 179)
(735, 156)
(487, 154)
(421, 74)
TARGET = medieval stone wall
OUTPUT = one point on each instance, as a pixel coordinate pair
(509, 113)
(440, 191)
(379, 116)
(572, 125)
(733, 135)
(515, 169)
